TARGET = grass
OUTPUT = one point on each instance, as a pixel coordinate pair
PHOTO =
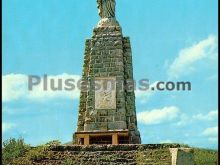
(205, 156)
(16, 152)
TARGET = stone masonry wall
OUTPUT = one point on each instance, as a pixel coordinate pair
(151, 154)
(83, 93)
(106, 60)
(129, 90)
(108, 54)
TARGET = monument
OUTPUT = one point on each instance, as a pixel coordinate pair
(107, 113)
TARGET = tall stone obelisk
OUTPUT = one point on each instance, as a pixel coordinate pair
(107, 114)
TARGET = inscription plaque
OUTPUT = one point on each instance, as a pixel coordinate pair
(105, 93)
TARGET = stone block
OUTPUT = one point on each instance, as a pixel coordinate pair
(182, 156)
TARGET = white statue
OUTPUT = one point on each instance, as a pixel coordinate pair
(107, 13)
(106, 8)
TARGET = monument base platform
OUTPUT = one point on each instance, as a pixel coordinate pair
(102, 137)
(147, 154)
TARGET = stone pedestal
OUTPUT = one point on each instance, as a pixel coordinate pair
(108, 65)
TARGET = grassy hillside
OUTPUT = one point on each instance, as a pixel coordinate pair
(205, 157)
(16, 152)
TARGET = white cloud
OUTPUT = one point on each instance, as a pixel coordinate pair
(212, 77)
(14, 111)
(213, 139)
(211, 132)
(144, 96)
(203, 50)
(212, 115)
(166, 141)
(183, 120)
(15, 86)
(157, 116)
(7, 126)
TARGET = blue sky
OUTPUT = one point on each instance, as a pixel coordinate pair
(171, 41)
